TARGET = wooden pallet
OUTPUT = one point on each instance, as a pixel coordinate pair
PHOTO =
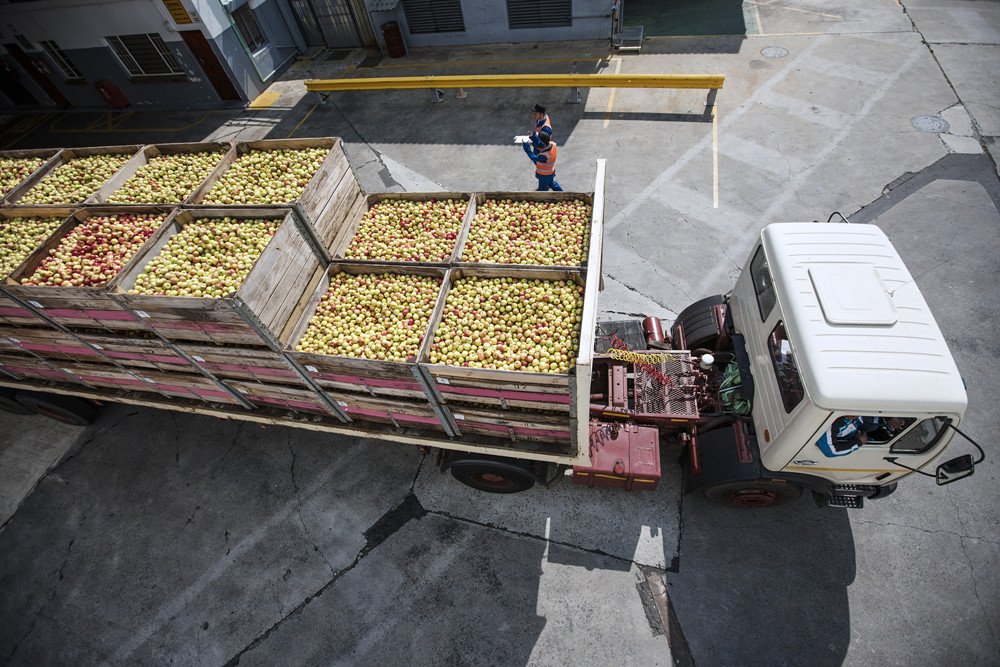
(143, 157)
(390, 379)
(88, 307)
(46, 154)
(333, 179)
(257, 313)
(349, 226)
(62, 157)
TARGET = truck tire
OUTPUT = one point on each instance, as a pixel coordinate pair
(66, 409)
(753, 493)
(700, 327)
(492, 476)
(9, 404)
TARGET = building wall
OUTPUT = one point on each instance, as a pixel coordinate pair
(79, 28)
(486, 23)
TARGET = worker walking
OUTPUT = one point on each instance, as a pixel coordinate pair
(543, 153)
(542, 122)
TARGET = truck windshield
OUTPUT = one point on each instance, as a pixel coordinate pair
(921, 437)
(785, 369)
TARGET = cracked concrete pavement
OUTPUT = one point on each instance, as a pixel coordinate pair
(165, 537)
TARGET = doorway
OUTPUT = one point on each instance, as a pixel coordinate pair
(210, 64)
(329, 23)
(18, 54)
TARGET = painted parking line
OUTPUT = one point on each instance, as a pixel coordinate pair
(465, 63)
(116, 130)
(611, 97)
(304, 119)
(265, 100)
(715, 156)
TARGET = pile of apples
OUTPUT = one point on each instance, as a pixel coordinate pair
(275, 176)
(525, 232)
(95, 250)
(510, 324)
(207, 258)
(408, 231)
(20, 236)
(16, 169)
(372, 316)
(167, 178)
(75, 180)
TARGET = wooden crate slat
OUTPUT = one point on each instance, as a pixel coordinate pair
(62, 157)
(47, 155)
(143, 158)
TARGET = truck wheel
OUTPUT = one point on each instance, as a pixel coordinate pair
(492, 476)
(700, 326)
(754, 493)
(65, 409)
(9, 404)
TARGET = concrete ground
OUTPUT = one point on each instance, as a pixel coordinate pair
(168, 537)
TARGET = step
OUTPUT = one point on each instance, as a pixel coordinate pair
(848, 501)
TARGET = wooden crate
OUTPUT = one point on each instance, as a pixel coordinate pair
(48, 343)
(346, 375)
(596, 218)
(349, 227)
(272, 294)
(88, 307)
(517, 405)
(61, 158)
(143, 157)
(20, 365)
(242, 363)
(334, 179)
(45, 154)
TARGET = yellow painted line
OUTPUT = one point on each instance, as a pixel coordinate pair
(803, 11)
(265, 100)
(57, 130)
(124, 117)
(299, 124)
(463, 63)
(694, 81)
(611, 97)
(715, 157)
(789, 34)
(756, 14)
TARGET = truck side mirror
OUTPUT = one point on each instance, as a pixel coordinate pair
(955, 469)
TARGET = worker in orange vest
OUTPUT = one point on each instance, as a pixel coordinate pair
(542, 123)
(543, 153)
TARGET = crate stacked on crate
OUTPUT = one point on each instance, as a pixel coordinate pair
(220, 285)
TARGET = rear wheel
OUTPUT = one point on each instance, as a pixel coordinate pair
(65, 409)
(9, 404)
(493, 476)
(755, 493)
(701, 328)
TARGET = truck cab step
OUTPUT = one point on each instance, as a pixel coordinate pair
(849, 501)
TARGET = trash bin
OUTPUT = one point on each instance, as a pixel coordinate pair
(393, 39)
(112, 94)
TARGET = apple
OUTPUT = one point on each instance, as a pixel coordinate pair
(13, 170)
(408, 231)
(94, 251)
(20, 236)
(167, 178)
(372, 316)
(206, 258)
(528, 232)
(276, 176)
(74, 181)
(511, 324)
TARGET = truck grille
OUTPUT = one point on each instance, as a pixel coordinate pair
(660, 387)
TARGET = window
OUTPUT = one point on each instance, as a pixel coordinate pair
(921, 438)
(762, 283)
(848, 433)
(423, 16)
(59, 59)
(249, 29)
(144, 55)
(785, 369)
(539, 13)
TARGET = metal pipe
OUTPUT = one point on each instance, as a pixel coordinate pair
(689, 81)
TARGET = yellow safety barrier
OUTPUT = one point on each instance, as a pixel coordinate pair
(695, 81)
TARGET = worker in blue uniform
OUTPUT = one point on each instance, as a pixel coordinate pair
(543, 152)
(847, 434)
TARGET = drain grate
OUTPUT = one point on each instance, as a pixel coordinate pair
(932, 124)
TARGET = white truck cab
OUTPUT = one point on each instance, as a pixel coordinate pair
(848, 365)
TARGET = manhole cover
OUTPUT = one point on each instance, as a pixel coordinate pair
(773, 52)
(934, 124)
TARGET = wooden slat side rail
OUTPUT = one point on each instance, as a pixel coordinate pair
(694, 81)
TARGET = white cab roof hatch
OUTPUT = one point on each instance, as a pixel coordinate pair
(863, 336)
